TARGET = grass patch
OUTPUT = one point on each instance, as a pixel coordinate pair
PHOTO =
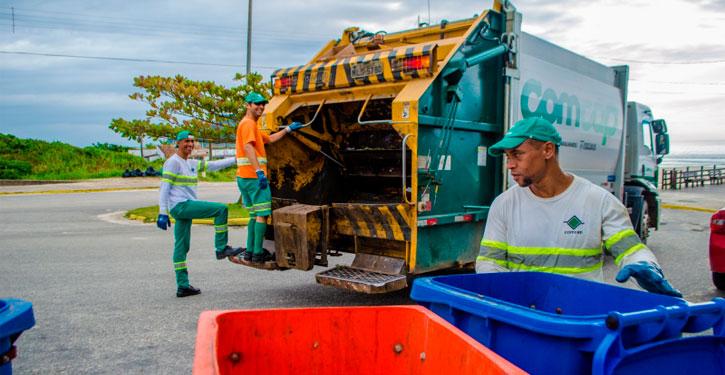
(226, 175)
(236, 211)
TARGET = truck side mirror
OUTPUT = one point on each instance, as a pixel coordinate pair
(659, 126)
(662, 144)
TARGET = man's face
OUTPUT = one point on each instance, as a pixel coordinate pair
(527, 162)
(186, 146)
(256, 109)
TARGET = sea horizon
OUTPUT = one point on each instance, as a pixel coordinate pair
(695, 154)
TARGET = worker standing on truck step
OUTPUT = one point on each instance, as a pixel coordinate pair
(252, 174)
(553, 221)
(178, 197)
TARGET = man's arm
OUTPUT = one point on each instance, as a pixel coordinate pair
(630, 254)
(216, 165)
(493, 254)
(280, 134)
(167, 178)
(251, 154)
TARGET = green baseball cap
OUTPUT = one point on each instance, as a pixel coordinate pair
(184, 134)
(535, 128)
(255, 98)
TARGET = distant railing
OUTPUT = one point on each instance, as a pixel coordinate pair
(686, 177)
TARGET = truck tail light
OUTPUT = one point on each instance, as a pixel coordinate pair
(411, 64)
(717, 223)
(283, 83)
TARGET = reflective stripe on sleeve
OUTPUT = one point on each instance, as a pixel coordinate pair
(245, 161)
(622, 244)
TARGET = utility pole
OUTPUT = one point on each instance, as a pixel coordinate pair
(12, 10)
(249, 38)
(429, 13)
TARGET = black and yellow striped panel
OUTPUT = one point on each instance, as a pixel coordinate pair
(372, 220)
(371, 68)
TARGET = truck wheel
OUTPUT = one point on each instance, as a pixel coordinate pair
(644, 223)
(719, 280)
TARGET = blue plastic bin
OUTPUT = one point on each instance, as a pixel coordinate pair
(553, 324)
(15, 317)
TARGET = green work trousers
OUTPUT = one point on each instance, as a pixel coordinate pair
(183, 213)
(259, 203)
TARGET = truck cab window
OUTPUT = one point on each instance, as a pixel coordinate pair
(647, 135)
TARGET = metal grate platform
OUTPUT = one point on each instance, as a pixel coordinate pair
(361, 280)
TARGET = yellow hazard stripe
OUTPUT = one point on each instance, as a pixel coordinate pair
(338, 73)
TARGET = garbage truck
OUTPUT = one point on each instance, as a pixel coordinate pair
(392, 163)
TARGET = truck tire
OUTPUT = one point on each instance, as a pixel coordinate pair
(644, 223)
(719, 280)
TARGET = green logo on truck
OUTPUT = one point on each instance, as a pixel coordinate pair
(566, 109)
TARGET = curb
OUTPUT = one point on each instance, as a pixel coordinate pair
(75, 191)
(688, 208)
(233, 222)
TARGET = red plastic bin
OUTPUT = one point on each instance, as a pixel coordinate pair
(339, 340)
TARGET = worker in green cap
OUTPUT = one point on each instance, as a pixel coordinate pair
(252, 174)
(554, 221)
(178, 198)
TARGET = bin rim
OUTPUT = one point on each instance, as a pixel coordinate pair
(208, 327)
(16, 316)
(572, 326)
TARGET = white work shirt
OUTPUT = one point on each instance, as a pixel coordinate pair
(180, 178)
(562, 234)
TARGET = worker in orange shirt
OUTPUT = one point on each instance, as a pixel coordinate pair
(252, 174)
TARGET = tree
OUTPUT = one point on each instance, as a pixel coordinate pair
(208, 110)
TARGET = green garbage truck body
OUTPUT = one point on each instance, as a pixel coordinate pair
(392, 163)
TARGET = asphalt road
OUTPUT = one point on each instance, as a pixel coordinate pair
(103, 288)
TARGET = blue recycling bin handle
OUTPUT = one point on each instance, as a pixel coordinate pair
(667, 321)
(16, 316)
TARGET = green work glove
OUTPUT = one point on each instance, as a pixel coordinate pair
(649, 276)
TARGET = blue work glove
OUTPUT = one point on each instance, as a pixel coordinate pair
(649, 276)
(263, 182)
(293, 126)
(163, 221)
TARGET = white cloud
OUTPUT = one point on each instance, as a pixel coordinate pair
(288, 33)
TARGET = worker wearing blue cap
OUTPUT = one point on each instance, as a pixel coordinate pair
(252, 175)
(553, 221)
(178, 198)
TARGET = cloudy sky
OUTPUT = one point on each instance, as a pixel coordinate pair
(67, 66)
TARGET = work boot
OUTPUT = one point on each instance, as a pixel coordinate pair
(188, 291)
(265, 256)
(247, 255)
(228, 252)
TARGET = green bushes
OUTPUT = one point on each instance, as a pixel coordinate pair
(13, 169)
(40, 160)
